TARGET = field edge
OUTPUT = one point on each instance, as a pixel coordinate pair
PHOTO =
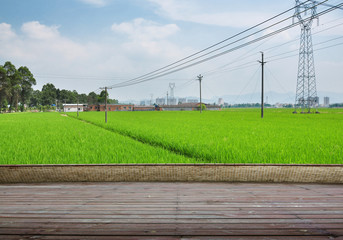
(277, 173)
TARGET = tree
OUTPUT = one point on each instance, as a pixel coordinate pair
(66, 96)
(83, 98)
(73, 96)
(112, 101)
(4, 88)
(203, 107)
(92, 98)
(102, 96)
(27, 80)
(35, 98)
(49, 95)
(14, 85)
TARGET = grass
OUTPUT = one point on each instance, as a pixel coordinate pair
(234, 136)
(50, 138)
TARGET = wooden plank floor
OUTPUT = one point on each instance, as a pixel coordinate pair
(171, 211)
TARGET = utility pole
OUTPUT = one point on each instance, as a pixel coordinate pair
(77, 106)
(262, 87)
(200, 79)
(167, 99)
(105, 102)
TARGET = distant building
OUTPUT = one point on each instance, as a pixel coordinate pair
(316, 101)
(73, 107)
(172, 101)
(160, 101)
(220, 102)
(182, 100)
(189, 107)
(192, 101)
(326, 101)
(110, 107)
(142, 103)
(144, 108)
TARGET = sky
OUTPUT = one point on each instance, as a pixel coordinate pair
(84, 45)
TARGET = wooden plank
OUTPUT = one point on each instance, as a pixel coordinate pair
(179, 210)
(40, 237)
(170, 220)
(173, 212)
(173, 232)
(175, 224)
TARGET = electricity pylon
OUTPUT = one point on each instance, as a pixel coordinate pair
(171, 86)
(306, 92)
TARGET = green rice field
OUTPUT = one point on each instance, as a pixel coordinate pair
(51, 138)
(232, 136)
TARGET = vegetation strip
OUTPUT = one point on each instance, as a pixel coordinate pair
(48, 138)
(236, 135)
(143, 140)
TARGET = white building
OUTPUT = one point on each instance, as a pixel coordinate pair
(160, 101)
(182, 100)
(326, 101)
(73, 107)
(192, 101)
(172, 101)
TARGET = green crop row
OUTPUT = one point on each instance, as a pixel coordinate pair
(51, 138)
(234, 136)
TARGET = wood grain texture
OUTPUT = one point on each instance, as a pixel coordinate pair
(147, 210)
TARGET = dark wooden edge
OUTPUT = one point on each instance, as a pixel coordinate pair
(181, 164)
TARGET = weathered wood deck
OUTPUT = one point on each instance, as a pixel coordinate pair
(171, 211)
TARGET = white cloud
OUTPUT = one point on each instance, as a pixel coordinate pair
(6, 31)
(141, 29)
(96, 3)
(36, 30)
(148, 39)
(190, 11)
(42, 47)
(46, 51)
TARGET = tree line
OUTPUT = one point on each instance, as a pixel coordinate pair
(17, 94)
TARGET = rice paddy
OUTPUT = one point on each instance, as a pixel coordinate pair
(51, 138)
(233, 136)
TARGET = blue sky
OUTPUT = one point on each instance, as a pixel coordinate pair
(87, 44)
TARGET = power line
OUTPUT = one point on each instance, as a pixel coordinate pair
(216, 70)
(296, 50)
(270, 59)
(319, 49)
(170, 70)
(168, 67)
(212, 46)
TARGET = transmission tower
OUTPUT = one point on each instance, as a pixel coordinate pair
(171, 86)
(306, 92)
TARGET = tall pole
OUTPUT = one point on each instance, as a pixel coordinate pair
(105, 104)
(167, 99)
(77, 106)
(200, 78)
(262, 84)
